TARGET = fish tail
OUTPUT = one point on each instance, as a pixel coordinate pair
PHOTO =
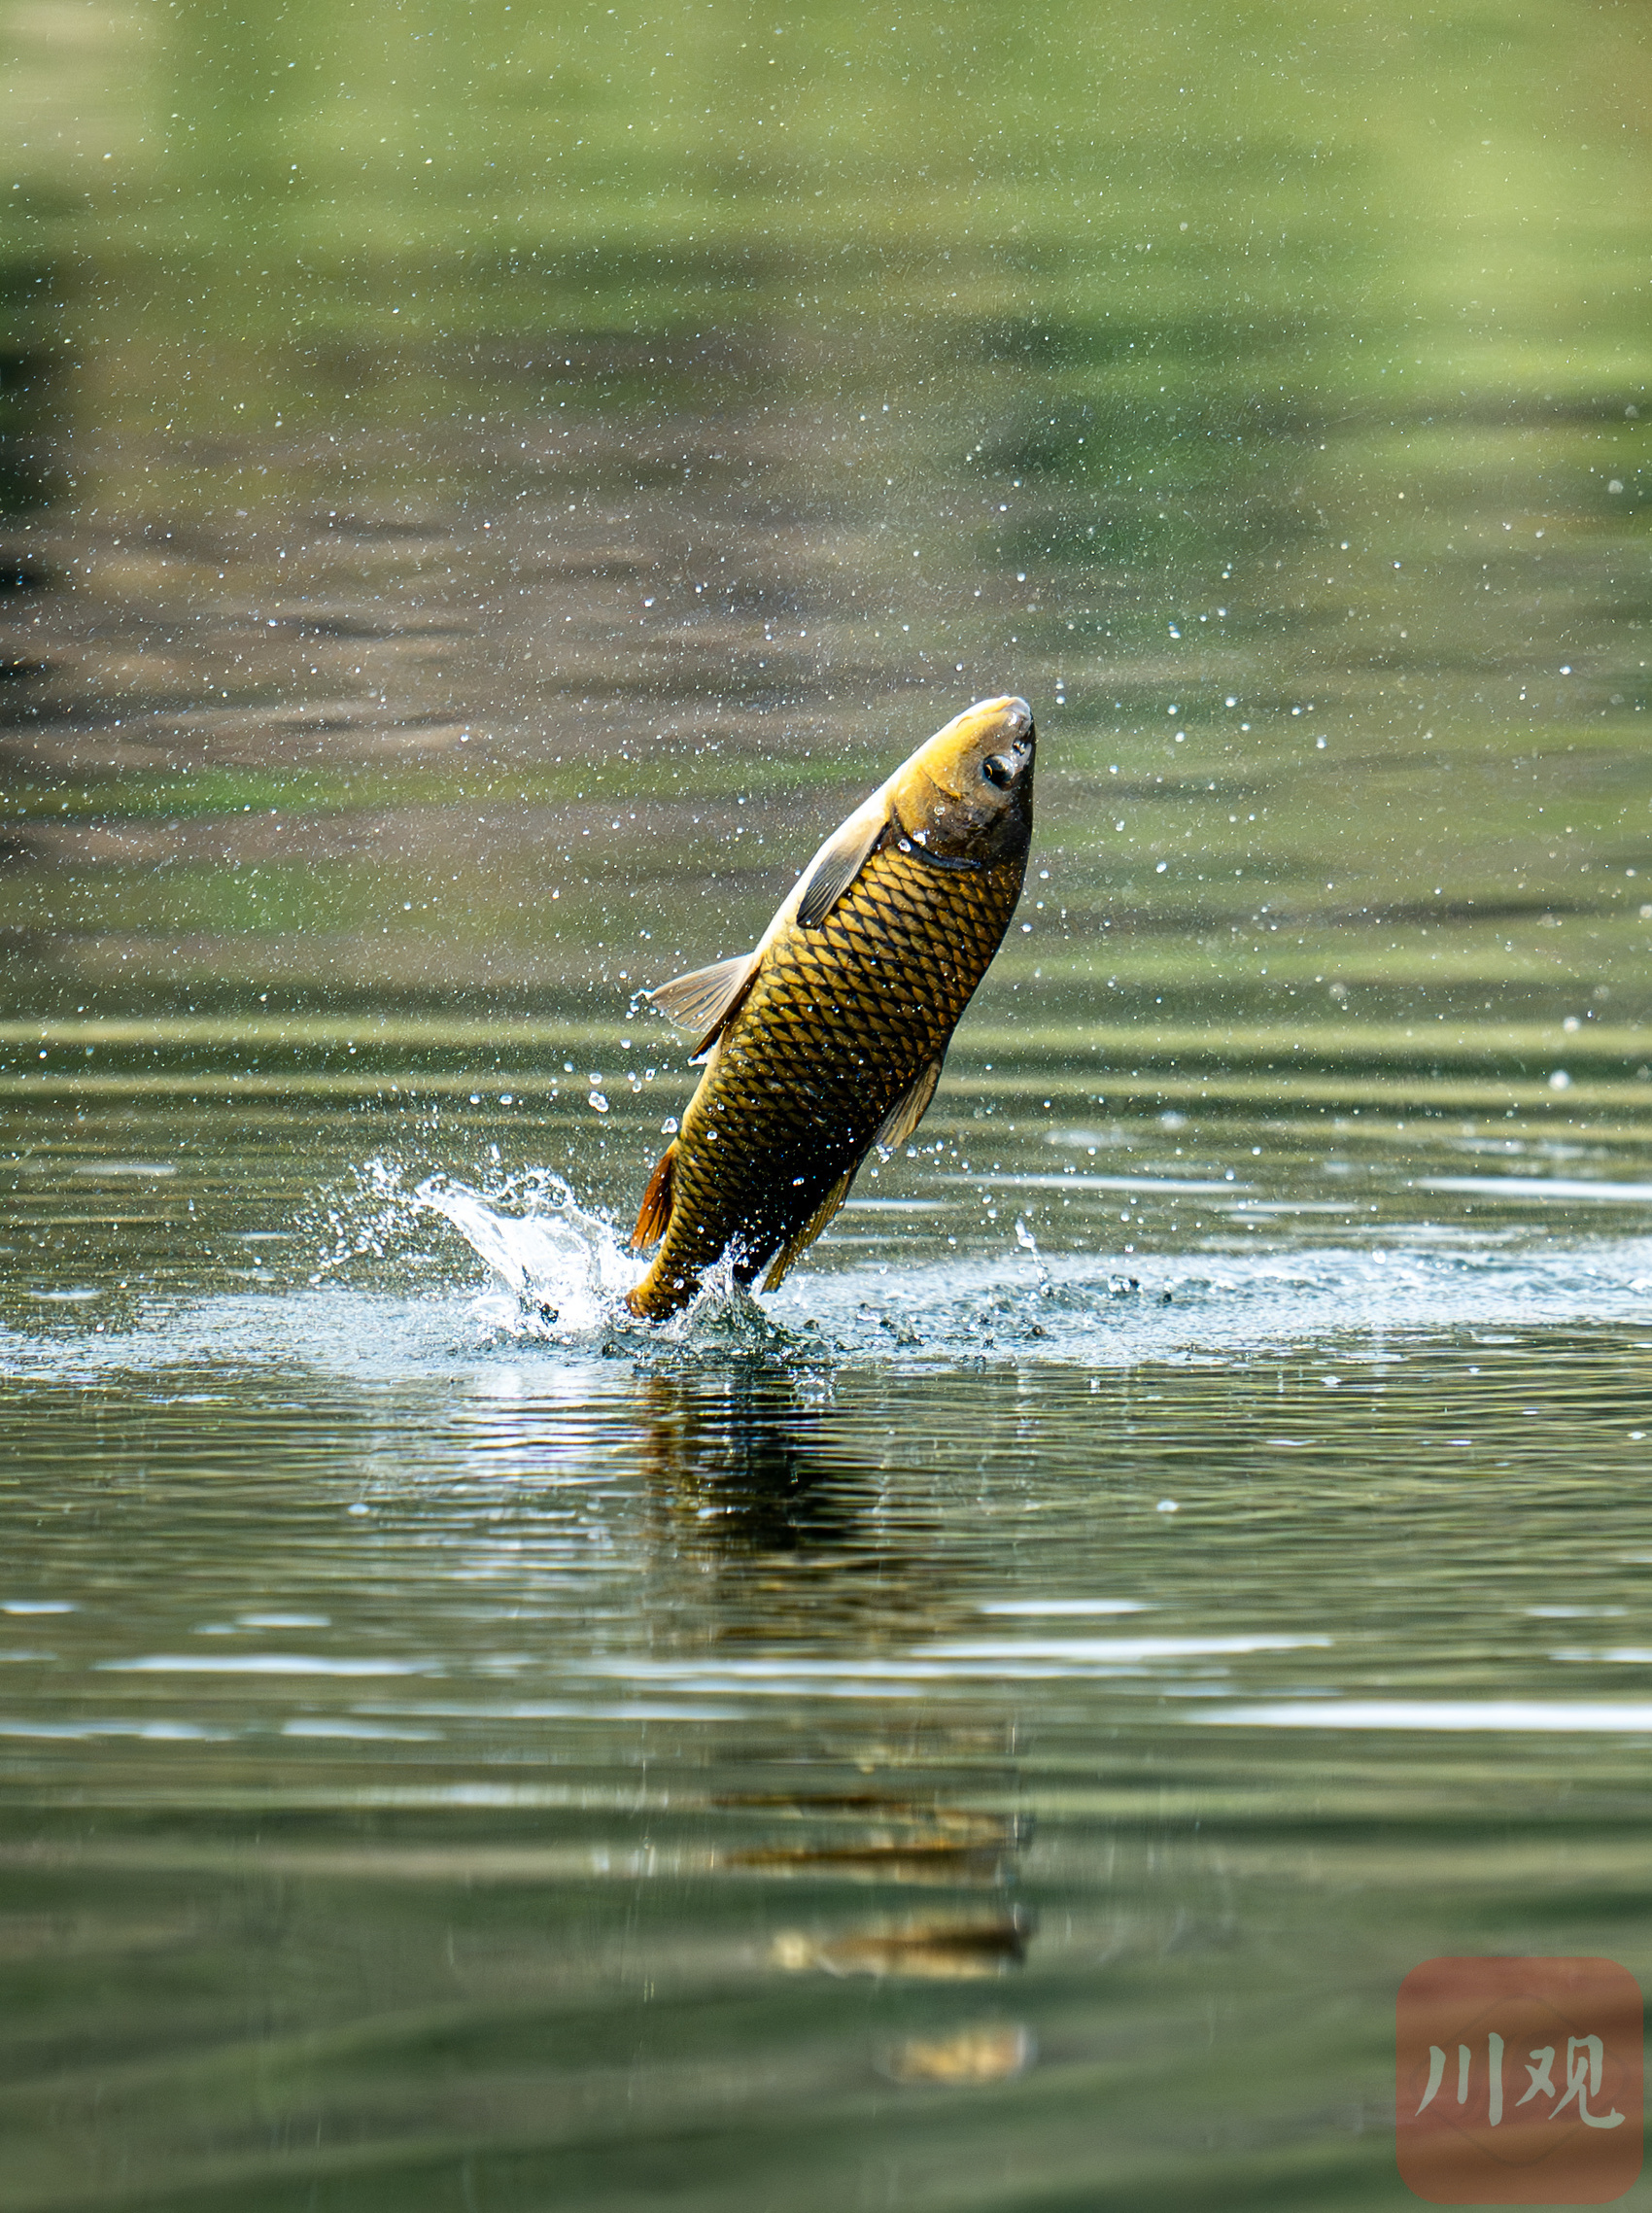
(656, 1208)
(661, 1294)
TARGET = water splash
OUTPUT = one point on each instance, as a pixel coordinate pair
(562, 1275)
(1029, 1244)
(561, 1270)
(723, 1320)
(562, 1266)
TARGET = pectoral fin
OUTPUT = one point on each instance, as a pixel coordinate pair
(836, 865)
(800, 1240)
(656, 1208)
(706, 998)
(907, 1111)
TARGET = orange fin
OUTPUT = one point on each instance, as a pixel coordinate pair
(800, 1240)
(656, 1208)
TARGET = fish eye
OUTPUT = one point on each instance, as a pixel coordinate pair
(998, 770)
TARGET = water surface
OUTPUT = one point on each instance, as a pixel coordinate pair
(993, 1727)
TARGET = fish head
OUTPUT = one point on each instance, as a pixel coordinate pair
(967, 794)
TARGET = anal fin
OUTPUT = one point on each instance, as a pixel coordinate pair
(800, 1240)
(656, 1208)
(909, 1110)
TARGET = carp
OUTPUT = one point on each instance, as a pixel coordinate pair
(827, 1039)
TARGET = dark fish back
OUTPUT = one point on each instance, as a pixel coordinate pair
(839, 1024)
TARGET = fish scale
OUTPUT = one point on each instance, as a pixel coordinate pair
(841, 1022)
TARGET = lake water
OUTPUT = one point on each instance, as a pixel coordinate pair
(993, 1729)
(991, 1725)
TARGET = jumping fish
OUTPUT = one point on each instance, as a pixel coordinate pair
(828, 1038)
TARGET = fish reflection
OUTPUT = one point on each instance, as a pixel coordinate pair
(752, 1479)
(990, 2051)
(740, 1462)
(905, 1842)
(935, 1950)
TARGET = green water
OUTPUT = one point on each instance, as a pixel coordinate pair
(481, 492)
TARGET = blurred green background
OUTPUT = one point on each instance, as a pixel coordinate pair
(486, 486)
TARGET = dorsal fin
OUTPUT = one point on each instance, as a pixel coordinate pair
(705, 998)
(836, 865)
(800, 1240)
(909, 1110)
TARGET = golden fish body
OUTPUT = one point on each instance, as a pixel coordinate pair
(828, 1038)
